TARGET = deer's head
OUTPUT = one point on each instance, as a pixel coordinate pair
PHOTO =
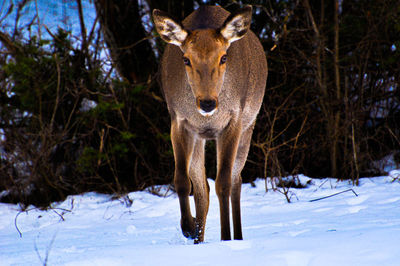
(204, 53)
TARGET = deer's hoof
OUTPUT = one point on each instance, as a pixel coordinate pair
(188, 227)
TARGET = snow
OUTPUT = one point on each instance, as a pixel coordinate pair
(143, 229)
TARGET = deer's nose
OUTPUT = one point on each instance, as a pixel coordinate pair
(208, 105)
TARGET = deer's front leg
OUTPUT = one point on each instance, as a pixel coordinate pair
(227, 145)
(182, 143)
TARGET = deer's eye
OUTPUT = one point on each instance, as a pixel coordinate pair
(186, 61)
(223, 59)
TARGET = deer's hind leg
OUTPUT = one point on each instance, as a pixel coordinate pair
(183, 144)
(201, 188)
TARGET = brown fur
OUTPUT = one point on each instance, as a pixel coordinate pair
(236, 86)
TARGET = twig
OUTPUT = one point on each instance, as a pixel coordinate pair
(83, 27)
(28, 210)
(58, 93)
(15, 223)
(9, 44)
(8, 12)
(285, 192)
(47, 250)
(101, 147)
(130, 46)
(347, 190)
(51, 34)
(38, 20)
(393, 134)
(355, 154)
(91, 34)
(61, 215)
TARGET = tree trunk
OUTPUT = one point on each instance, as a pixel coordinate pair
(126, 38)
(336, 118)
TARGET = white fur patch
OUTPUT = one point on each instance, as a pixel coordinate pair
(230, 31)
(206, 114)
(173, 32)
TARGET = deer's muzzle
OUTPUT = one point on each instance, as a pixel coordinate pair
(207, 107)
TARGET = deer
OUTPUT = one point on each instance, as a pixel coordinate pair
(213, 77)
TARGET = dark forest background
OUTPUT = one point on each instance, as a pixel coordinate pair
(71, 121)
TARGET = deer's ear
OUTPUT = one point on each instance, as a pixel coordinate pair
(237, 24)
(169, 30)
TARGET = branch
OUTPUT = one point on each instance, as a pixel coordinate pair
(314, 25)
(9, 44)
(82, 24)
(347, 190)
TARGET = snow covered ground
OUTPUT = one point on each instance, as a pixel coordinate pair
(93, 229)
